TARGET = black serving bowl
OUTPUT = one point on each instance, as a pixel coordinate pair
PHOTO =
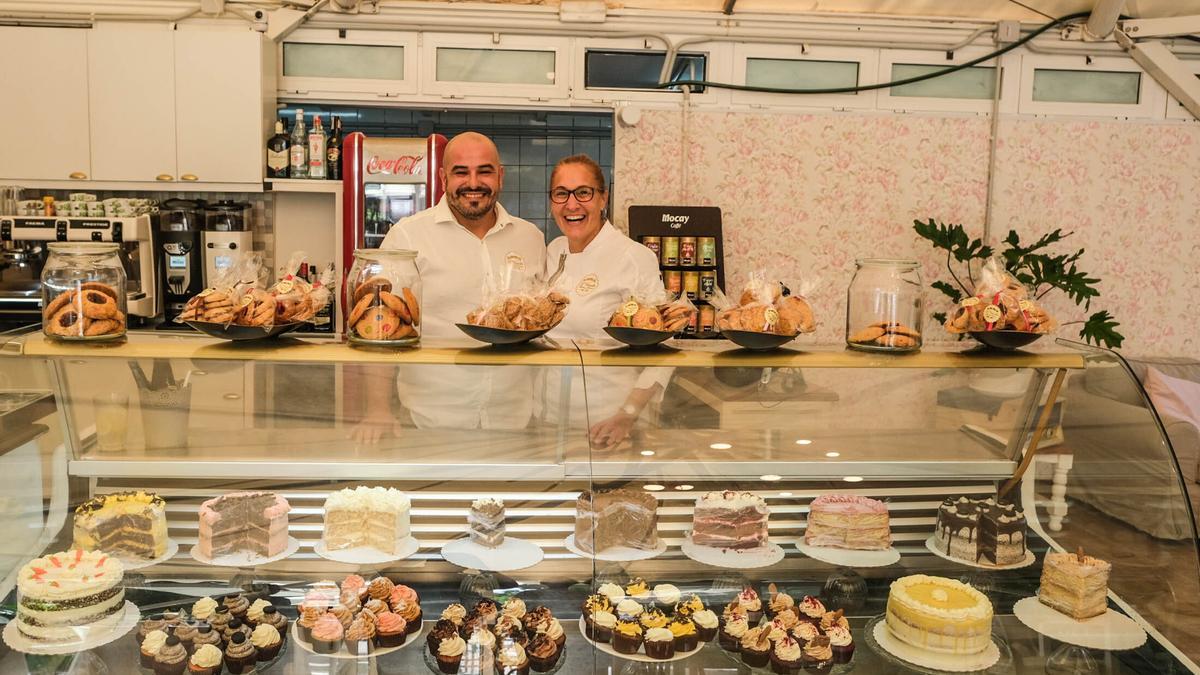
(500, 336)
(757, 341)
(239, 333)
(1005, 339)
(638, 337)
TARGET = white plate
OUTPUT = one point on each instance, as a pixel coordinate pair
(640, 656)
(618, 553)
(931, 544)
(342, 653)
(95, 638)
(244, 558)
(733, 559)
(933, 660)
(140, 563)
(365, 555)
(848, 557)
(511, 554)
(1111, 631)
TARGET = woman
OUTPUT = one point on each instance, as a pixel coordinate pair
(603, 269)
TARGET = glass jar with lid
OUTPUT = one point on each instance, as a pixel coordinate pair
(884, 306)
(383, 298)
(83, 291)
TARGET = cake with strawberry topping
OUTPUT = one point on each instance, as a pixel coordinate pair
(63, 596)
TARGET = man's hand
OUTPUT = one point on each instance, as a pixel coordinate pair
(608, 433)
(372, 428)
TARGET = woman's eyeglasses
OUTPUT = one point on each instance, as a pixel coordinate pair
(583, 193)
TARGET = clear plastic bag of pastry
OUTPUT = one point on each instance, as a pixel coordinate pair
(767, 304)
(83, 292)
(233, 296)
(293, 298)
(383, 298)
(1000, 302)
(514, 301)
(655, 311)
(885, 304)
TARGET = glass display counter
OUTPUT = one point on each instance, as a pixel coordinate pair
(608, 462)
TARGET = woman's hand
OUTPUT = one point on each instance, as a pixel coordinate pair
(607, 434)
(372, 428)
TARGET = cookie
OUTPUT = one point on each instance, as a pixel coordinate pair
(360, 308)
(58, 303)
(798, 313)
(868, 334)
(647, 318)
(100, 326)
(378, 323)
(98, 305)
(394, 303)
(66, 322)
(414, 308)
(370, 286)
(897, 341)
(901, 329)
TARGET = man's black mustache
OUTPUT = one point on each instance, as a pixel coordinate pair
(485, 191)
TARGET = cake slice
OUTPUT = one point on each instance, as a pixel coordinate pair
(486, 520)
(981, 530)
(730, 520)
(848, 521)
(1075, 584)
(377, 518)
(607, 519)
(253, 522)
(126, 524)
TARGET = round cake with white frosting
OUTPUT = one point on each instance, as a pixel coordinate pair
(63, 596)
(940, 615)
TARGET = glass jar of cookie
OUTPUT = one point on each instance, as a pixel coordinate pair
(83, 292)
(885, 303)
(383, 298)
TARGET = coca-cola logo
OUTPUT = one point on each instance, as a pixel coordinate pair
(407, 165)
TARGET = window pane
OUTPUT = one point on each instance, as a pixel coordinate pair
(801, 74)
(358, 62)
(501, 66)
(639, 70)
(975, 82)
(1086, 86)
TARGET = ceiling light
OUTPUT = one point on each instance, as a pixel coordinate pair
(853, 479)
(803, 441)
(785, 494)
(647, 453)
(685, 487)
(720, 446)
(770, 476)
(833, 454)
(653, 487)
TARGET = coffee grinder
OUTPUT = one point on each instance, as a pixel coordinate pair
(180, 226)
(226, 233)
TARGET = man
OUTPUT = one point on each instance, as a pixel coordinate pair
(467, 238)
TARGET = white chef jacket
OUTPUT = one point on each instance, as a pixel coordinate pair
(453, 263)
(598, 280)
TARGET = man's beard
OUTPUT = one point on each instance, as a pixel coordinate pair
(463, 207)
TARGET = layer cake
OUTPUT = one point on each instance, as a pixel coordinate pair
(938, 614)
(253, 522)
(1075, 584)
(377, 518)
(848, 521)
(125, 524)
(607, 519)
(730, 520)
(64, 596)
(486, 520)
(981, 530)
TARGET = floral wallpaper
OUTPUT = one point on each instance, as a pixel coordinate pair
(810, 193)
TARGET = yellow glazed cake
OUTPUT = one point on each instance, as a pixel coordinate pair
(939, 614)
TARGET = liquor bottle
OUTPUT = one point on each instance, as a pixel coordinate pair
(277, 153)
(316, 150)
(298, 164)
(323, 321)
(333, 151)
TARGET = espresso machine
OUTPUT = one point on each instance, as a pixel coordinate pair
(226, 233)
(181, 263)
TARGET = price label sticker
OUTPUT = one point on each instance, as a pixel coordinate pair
(629, 309)
(992, 313)
(970, 302)
(285, 286)
(1025, 305)
(771, 315)
(245, 301)
(205, 293)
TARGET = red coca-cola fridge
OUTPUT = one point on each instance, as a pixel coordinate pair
(384, 180)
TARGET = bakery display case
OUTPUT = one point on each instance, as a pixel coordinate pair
(587, 508)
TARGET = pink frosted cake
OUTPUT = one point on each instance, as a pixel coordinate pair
(848, 521)
(253, 522)
(730, 520)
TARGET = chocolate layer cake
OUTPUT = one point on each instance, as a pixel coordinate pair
(486, 520)
(125, 524)
(254, 522)
(730, 520)
(606, 519)
(981, 530)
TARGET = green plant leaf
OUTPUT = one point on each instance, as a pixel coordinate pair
(1100, 328)
(954, 239)
(1061, 272)
(940, 317)
(951, 292)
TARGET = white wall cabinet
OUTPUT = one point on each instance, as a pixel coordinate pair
(44, 86)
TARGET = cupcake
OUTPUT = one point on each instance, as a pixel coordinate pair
(149, 625)
(343, 614)
(203, 608)
(666, 596)
(186, 632)
(534, 620)
(326, 634)
(811, 609)
(273, 617)
(776, 631)
(706, 624)
(627, 637)
(659, 644)
(390, 630)
(818, 655)
(613, 592)
(488, 610)
(236, 626)
(351, 600)
(151, 644)
(323, 594)
(788, 618)
(511, 660)
(376, 607)
(266, 641)
(206, 635)
(406, 593)
(206, 660)
(804, 632)
(482, 637)
(748, 600)
(237, 604)
(220, 619)
(455, 613)
(355, 584)
(442, 628)
(684, 631)
(599, 626)
(653, 618)
(308, 618)
(543, 653)
(480, 656)
(360, 636)
(554, 630)
(637, 589)
(787, 657)
(239, 655)
(450, 653)
(380, 588)
(410, 611)
(510, 630)
(831, 619)
(171, 659)
(842, 644)
(595, 603)
(731, 634)
(514, 607)
(254, 614)
(629, 609)
(690, 606)
(756, 647)
(779, 602)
